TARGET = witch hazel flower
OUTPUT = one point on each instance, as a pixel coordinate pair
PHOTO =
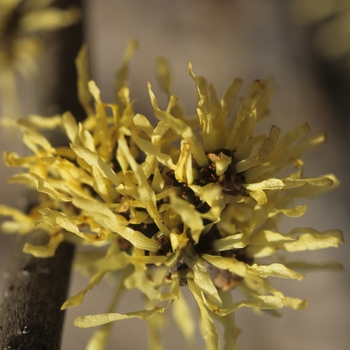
(191, 202)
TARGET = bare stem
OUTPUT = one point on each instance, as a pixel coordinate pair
(34, 293)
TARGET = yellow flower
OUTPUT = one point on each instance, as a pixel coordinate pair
(20, 22)
(188, 202)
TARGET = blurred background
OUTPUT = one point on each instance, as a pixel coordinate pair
(304, 46)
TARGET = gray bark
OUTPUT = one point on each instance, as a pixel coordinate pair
(34, 293)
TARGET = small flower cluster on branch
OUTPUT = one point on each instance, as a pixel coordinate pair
(23, 25)
(188, 202)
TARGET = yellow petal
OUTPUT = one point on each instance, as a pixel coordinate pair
(49, 19)
(123, 71)
(231, 332)
(115, 223)
(222, 164)
(21, 223)
(147, 196)
(204, 282)
(86, 138)
(100, 338)
(295, 303)
(231, 264)
(183, 170)
(182, 129)
(263, 302)
(270, 184)
(158, 181)
(274, 270)
(33, 139)
(189, 215)
(71, 127)
(84, 96)
(100, 319)
(152, 150)
(265, 237)
(143, 124)
(139, 281)
(314, 240)
(297, 211)
(184, 320)
(309, 190)
(16, 214)
(44, 122)
(13, 159)
(57, 219)
(234, 241)
(266, 243)
(94, 160)
(290, 137)
(269, 143)
(77, 299)
(46, 251)
(178, 241)
(44, 187)
(208, 327)
(259, 196)
(163, 74)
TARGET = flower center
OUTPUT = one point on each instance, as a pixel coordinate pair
(221, 171)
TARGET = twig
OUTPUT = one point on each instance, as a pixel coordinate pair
(35, 290)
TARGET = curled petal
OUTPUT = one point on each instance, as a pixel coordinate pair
(46, 251)
(45, 187)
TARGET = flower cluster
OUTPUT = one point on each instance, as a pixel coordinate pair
(188, 202)
(20, 44)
